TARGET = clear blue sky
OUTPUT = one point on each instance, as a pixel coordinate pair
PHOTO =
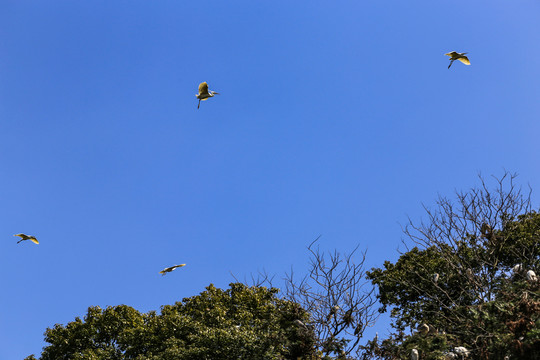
(336, 118)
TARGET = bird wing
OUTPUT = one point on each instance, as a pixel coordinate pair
(34, 240)
(171, 268)
(203, 88)
(453, 53)
(465, 60)
(22, 236)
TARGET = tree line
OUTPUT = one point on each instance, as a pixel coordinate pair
(465, 286)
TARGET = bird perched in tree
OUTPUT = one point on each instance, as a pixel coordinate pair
(333, 311)
(517, 268)
(299, 323)
(27, 237)
(347, 317)
(486, 231)
(358, 329)
(433, 330)
(204, 93)
(423, 329)
(458, 56)
(435, 278)
(450, 356)
(531, 276)
(461, 351)
(414, 354)
(169, 269)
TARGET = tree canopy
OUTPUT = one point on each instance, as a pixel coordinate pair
(237, 323)
(464, 287)
(463, 283)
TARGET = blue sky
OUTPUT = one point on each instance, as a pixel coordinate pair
(336, 118)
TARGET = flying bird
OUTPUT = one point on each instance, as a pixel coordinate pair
(458, 56)
(204, 93)
(169, 269)
(414, 354)
(27, 237)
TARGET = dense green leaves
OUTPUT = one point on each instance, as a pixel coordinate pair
(477, 300)
(237, 323)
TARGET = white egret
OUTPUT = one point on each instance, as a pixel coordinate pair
(27, 237)
(517, 268)
(531, 276)
(458, 56)
(414, 354)
(435, 278)
(204, 93)
(299, 323)
(171, 268)
(423, 329)
(461, 351)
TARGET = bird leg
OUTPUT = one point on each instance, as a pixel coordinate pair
(451, 61)
(199, 104)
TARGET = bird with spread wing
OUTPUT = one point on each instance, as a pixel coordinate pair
(458, 56)
(27, 237)
(171, 268)
(204, 93)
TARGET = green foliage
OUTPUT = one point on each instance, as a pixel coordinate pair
(238, 323)
(477, 302)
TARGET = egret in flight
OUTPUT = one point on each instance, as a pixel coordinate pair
(204, 93)
(27, 237)
(458, 56)
(171, 268)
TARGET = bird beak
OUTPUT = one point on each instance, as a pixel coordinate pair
(216, 93)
